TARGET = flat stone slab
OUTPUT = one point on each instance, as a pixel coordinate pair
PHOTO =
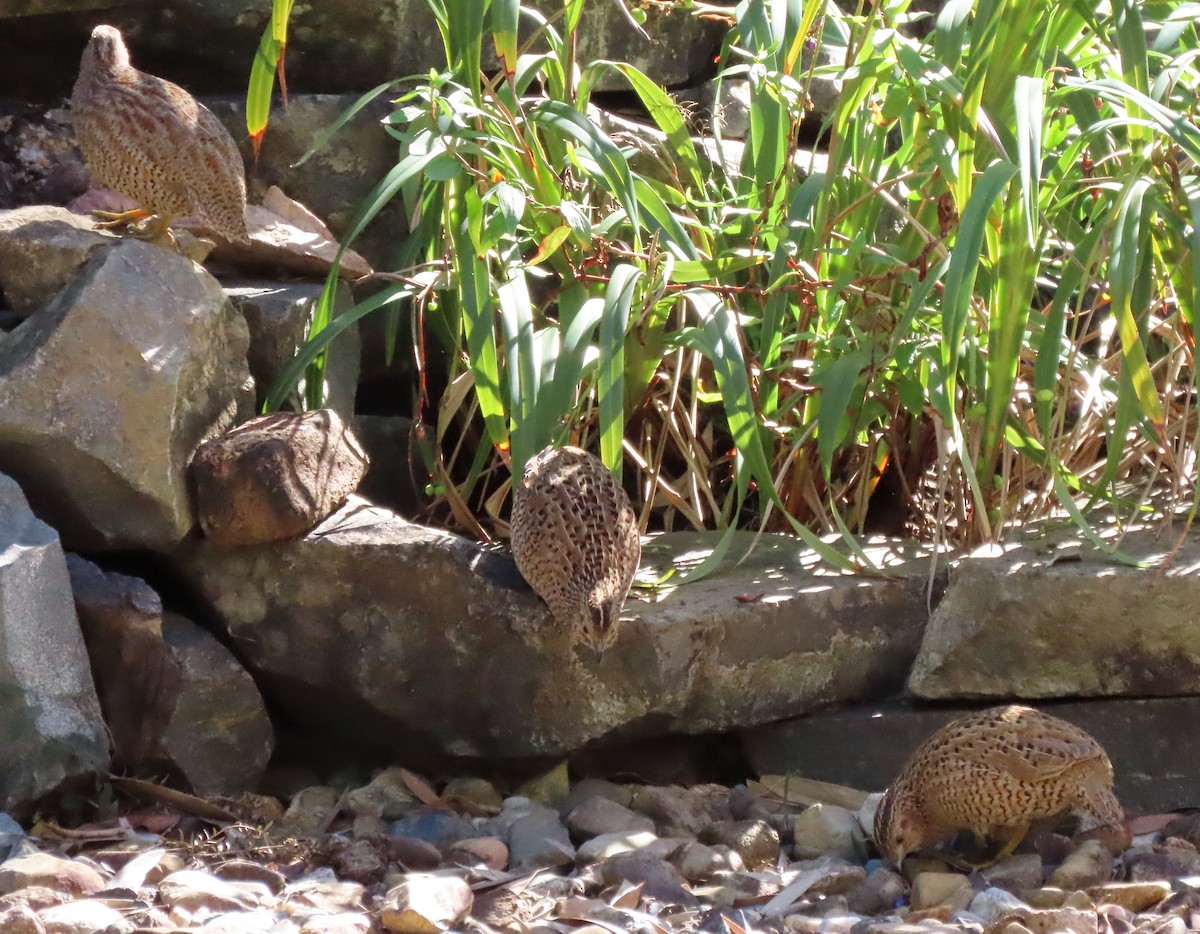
(1053, 619)
(389, 634)
(1151, 743)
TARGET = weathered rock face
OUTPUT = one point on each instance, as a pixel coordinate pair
(41, 250)
(277, 314)
(1028, 624)
(173, 697)
(275, 477)
(220, 736)
(345, 46)
(105, 393)
(137, 679)
(52, 729)
(383, 632)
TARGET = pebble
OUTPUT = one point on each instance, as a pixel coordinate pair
(699, 862)
(479, 851)
(732, 865)
(480, 792)
(1135, 896)
(596, 816)
(675, 811)
(387, 796)
(1017, 873)
(941, 889)
(826, 829)
(85, 916)
(534, 835)
(427, 904)
(658, 878)
(755, 841)
(1089, 865)
(994, 903)
(610, 844)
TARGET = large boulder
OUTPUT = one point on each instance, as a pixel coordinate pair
(108, 389)
(52, 729)
(377, 631)
(1046, 619)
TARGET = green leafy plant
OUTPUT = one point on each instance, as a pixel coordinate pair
(972, 297)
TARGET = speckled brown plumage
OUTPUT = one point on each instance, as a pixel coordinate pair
(151, 140)
(994, 773)
(575, 539)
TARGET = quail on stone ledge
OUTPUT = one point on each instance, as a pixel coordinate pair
(152, 141)
(575, 540)
(995, 773)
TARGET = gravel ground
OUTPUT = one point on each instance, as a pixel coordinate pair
(597, 857)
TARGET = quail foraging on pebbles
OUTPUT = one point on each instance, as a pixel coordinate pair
(995, 773)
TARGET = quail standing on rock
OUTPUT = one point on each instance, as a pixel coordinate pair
(151, 140)
(995, 773)
(575, 540)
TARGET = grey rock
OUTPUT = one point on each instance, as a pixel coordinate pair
(698, 862)
(992, 904)
(673, 808)
(339, 635)
(1051, 628)
(138, 358)
(535, 836)
(755, 841)
(41, 250)
(658, 878)
(427, 903)
(830, 875)
(277, 314)
(878, 893)
(826, 829)
(586, 788)
(1150, 743)
(219, 735)
(387, 796)
(53, 728)
(610, 844)
(1170, 859)
(1018, 873)
(171, 694)
(597, 816)
(275, 477)
(439, 828)
(138, 680)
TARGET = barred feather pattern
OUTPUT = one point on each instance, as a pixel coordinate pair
(151, 140)
(575, 540)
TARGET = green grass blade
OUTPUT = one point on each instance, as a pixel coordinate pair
(610, 384)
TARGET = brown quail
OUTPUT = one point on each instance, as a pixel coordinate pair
(151, 140)
(575, 540)
(994, 773)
